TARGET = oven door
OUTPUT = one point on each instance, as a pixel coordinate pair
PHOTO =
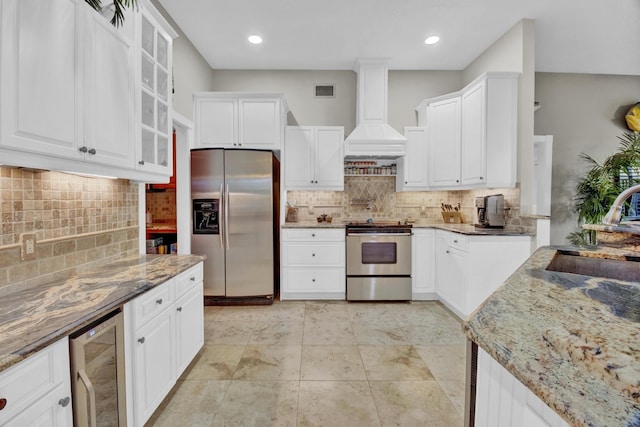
(379, 254)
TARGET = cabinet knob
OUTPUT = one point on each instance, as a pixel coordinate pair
(92, 151)
(179, 308)
(3, 403)
(481, 178)
(313, 280)
(457, 180)
(141, 340)
(64, 402)
(193, 278)
(141, 162)
(312, 181)
(83, 149)
(455, 241)
(406, 182)
(313, 235)
(159, 301)
(235, 144)
(313, 254)
(448, 251)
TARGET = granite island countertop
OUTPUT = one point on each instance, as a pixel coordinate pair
(34, 318)
(573, 340)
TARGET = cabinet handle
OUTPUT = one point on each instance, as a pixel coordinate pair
(92, 151)
(141, 340)
(64, 402)
(83, 149)
(193, 278)
(3, 403)
(141, 162)
(159, 301)
(179, 308)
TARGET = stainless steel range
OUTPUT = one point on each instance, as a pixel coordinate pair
(378, 261)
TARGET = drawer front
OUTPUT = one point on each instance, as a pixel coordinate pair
(312, 235)
(149, 304)
(188, 280)
(327, 280)
(459, 241)
(29, 380)
(321, 254)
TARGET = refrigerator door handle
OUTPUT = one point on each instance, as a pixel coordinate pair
(226, 217)
(222, 223)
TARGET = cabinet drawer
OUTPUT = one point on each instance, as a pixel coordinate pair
(29, 380)
(187, 280)
(458, 241)
(151, 303)
(327, 280)
(321, 254)
(312, 235)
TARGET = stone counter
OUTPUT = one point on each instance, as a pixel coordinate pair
(574, 340)
(468, 229)
(34, 318)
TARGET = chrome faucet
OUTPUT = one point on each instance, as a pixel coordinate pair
(614, 215)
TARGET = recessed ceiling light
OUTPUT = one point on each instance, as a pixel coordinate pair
(432, 40)
(255, 39)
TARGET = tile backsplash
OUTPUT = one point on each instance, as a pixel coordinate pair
(375, 197)
(79, 223)
(162, 206)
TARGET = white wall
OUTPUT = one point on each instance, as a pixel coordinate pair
(585, 114)
(406, 90)
(515, 51)
(190, 71)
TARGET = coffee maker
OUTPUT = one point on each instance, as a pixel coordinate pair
(490, 211)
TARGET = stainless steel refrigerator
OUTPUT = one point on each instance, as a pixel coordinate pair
(235, 198)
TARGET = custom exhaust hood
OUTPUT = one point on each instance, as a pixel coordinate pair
(373, 137)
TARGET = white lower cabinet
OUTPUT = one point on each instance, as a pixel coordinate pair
(165, 331)
(154, 365)
(313, 264)
(37, 391)
(423, 263)
(503, 401)
(470, 268)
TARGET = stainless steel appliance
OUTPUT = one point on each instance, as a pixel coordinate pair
(378, 261)
(235, 215)
(490, 211)
(97, 373)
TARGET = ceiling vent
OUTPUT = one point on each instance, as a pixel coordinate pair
(325, 90)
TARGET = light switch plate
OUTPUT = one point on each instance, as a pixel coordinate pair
(28, 245)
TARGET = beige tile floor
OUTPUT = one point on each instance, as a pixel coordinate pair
(319, 363)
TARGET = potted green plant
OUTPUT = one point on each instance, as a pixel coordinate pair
(602, 183)
(118, 9)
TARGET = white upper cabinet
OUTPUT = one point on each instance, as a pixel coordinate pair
(241, 120)
(155, 152)
(472, 134)
(70, 85)
(108, 109)
(40, 77)
(412, 168)
(444, 142)
(474, 143)
(314, 158)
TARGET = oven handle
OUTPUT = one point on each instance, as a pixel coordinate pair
(379, 234)
(92, 397)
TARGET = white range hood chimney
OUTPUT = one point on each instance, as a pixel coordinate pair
(373, 137)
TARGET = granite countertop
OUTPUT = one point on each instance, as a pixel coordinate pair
(34, 318)
(468, 229)
(623, 227)
(574, 340)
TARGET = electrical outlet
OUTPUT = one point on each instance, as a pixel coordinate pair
(28, 243)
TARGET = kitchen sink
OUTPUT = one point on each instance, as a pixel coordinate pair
(570, 262)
